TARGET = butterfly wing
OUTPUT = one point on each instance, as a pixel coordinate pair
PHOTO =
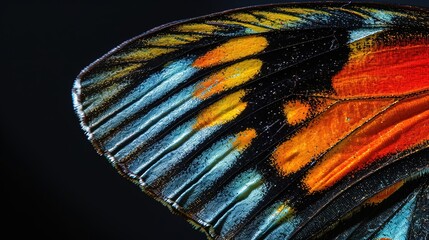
(281, 121)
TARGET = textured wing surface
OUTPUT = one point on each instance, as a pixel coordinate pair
(273, 122)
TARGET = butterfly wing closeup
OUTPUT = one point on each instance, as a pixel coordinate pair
(291, 121)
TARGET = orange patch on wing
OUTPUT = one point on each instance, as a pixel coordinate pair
(403, 126)
(384, 194)
(384, 71)
(222, 111)
(324, 132)
(296, 111)
(232, 50)
(244, 139)
(232, 76)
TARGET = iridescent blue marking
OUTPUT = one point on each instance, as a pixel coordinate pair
(147, 126)
(151, 89)
(309, 20)
(378, 16)
(241, 210)
(175, 145)
(165, 157)
(359, 34)
(232, 204)
(398, 226)
(284, 230)
(268, 220)
(384, 16)
(236, 191)
(203, 172)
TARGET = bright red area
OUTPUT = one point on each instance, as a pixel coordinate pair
(385, 71)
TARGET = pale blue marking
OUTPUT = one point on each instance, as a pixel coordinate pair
(383, 16)
(166, 157)
(269, 220)
(155, 120)
(284, 230)
(151, 89)
(248, 187)
(378, 16)
(319, 19)
(359, 34)
(203, 172)
(241, 210)
(144, 137)
(173, 138)
(398, 226)
(207, 181)
(184, 139)
(249, 31)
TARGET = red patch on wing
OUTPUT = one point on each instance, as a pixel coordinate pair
(385, 71)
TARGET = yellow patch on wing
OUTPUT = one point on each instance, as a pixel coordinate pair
(245, 17)
(361, 48)
(190, 37)
(144, 54)
(232, 50)
(296, 111)
(323, 133)
(123, 71)
(384, 194)
(249, 26)
(276, 20)
(114, 74)
(244, 139)
(171, 40)
(232, 76)
(283, 212)
(197, 28)
(222, 111)
(303, 11)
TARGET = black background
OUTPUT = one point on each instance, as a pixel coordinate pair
(54, 185)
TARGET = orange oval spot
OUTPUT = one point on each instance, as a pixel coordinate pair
(244, 139)
(222, 111)
(296, 111)
(232, 50)
(227, 78)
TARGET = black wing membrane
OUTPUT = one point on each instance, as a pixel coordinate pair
(229, 120)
